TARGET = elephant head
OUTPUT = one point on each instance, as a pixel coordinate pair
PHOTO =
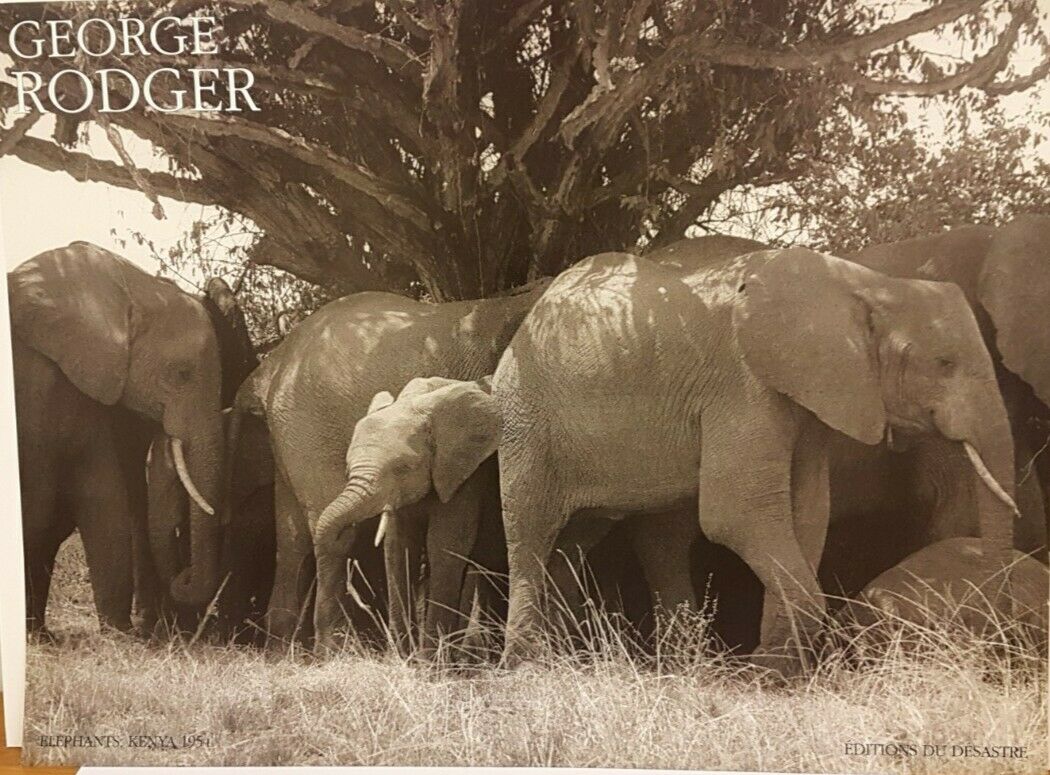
(123, 336)
(435, 434)
(873, 356)
(168, 504)
(945, 581)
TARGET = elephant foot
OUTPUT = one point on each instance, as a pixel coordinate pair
(327, 644)
(778, 663)
(520, 654)
(42, 636)
(122, 626)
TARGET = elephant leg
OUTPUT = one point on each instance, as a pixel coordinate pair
(99, 504)
(810, 493)
(42, 534)
(291, 573)
(752, 516)
(403, 556)
(39, 550)
(452, 530)
(532, 518)
(150, 595)
(662, 543)
(570, 588)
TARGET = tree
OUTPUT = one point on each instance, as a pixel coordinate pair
(867, 188)
(458, 147)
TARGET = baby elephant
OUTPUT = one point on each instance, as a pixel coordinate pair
(437, 433)
(948, 580)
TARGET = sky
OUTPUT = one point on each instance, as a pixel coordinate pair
(41, 210)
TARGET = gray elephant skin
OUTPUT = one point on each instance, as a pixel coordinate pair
(313, 389)
(943, 581)
(1004, 272)
(887, 503)
(422, 446)
(106, 357)
(632, 387)
(249, 549)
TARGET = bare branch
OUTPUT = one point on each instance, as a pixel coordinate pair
(390, 52)
(342, 169)
(812, 56)
(412, 25)
(117, 142)
(978, 73)
(17, 131)
(517, 23)
(87, 169)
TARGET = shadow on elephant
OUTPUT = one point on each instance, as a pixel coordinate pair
(106, 357)
(623, 365)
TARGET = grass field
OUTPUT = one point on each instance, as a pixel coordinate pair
(686, 709)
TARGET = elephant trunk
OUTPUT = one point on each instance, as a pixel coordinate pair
(988, 444)
(359, 500)
(167, 507)
(202, 475)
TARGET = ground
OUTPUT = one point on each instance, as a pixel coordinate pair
(683, 709)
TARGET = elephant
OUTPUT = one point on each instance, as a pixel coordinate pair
(944, 581)
(631, 387)
(424, 445)
(248, 543)
(1004, 272)
(885, 503)
(105, 357)
(319, 381)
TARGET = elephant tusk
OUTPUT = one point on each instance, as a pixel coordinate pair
(384, 521)
(989, 480)
(184, 477)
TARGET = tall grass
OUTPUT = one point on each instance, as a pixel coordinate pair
(596, 696)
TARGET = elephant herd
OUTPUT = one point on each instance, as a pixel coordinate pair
(761, 425)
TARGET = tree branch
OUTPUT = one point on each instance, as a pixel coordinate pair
(344, 170)
(979, 72)
(812, 56)
(18, 129)
(85, 168)
(387, 51)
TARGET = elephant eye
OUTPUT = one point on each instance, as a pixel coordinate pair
(945, 364)
(181, 373)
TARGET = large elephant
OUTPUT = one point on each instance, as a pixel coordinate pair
(314, 387)
(887, 503)
(1005, 274)
(424, 445)
(104, 356)
(633, 387)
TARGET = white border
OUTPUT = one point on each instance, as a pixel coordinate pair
(12, 578)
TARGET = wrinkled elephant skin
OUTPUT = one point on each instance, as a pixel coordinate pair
(96, 337)
(632, 386)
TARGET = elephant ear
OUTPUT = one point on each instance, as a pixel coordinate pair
(72, 305)
(420, 386)
(1014, 288)
(380, 400)
(805, 330)
(465, 427)
(236, 352)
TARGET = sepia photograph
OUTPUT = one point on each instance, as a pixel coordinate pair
(657, 384)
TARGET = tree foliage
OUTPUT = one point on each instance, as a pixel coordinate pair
(890, 181)
(458, 147)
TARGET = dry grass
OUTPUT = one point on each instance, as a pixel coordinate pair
(687, 708)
